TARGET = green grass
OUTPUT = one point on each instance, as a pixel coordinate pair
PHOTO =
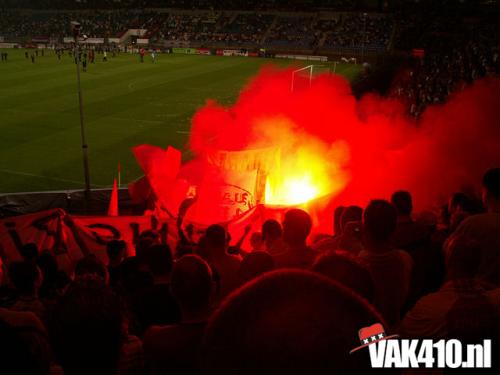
(126, 103)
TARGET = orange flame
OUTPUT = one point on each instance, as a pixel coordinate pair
(308, 173)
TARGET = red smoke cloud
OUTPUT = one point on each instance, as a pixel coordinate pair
(360, 149)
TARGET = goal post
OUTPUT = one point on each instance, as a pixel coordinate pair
(307, 73)
(304, 69)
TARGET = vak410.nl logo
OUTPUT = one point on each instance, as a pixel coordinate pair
(388, 352)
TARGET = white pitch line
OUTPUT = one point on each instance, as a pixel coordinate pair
(134, 119)
(44, 177)
(168, 115)
(183, 132)
(24, 111)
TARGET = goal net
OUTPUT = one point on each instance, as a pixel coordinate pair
(302, 78)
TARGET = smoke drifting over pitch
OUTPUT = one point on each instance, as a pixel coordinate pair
(356, 150)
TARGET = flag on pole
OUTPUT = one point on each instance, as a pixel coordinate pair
(113, 203)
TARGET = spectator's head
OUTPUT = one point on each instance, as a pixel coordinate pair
(201, 248)
(347, 270)
(25, 276)
(337, 214)
(160, 260)
(296, 227)
(403, 202)
(183, 248)
(379, 223)
(216, 239)
(287, 322)
(271, 231)
(256, 241)
(491, 190)
(144, 242)
(152, 235)
(255, 264)
(191, 285)
(90, 265)
(461, 206)
(132, 278)
(463, 257)
(464, 203)
(86, 329)
(349, 215)
(458, 202)
(29, 252)
(142, 247)
(116, 251)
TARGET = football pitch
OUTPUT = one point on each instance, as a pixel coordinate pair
(126, 103)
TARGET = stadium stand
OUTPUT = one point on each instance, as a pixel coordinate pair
(290, 5)
(57, 24)
(245, 29)
(291, 31)
(355, 32)
(231, 29)
(457, 50)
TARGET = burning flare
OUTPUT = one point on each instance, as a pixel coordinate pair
(292, 191)
(306, 173)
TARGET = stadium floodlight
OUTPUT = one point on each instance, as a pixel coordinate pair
(76, 28)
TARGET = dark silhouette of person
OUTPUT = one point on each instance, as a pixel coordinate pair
(348, 270)
(485, 228)
(175, 348)
(416, 238)
(87, 328)
(254, 265)
(27, 279)
(226, 266)
(154, 304)
(390, 268)
(272, 235)
(348, 235)
(465, 307)
(116, 252)
(297, 226)
(288, 322)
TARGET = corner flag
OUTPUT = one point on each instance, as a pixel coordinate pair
(113, 203)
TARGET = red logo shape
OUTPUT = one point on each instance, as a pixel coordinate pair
(372, 334)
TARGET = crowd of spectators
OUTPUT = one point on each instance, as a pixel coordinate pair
(209, 26)
(295, 31)
(289, 5)
(338, 31)
(245, 29)
(100, 24)
(361, 31)
(178, 27)
(290, 303)
(213, 27)
(447, 64)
